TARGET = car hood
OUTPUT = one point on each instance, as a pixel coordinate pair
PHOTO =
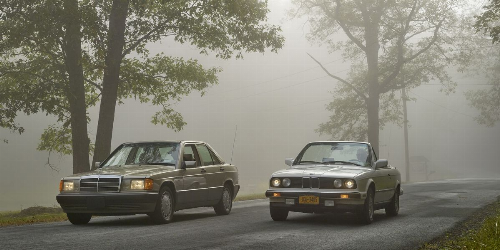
(129, 170)
(336, 171)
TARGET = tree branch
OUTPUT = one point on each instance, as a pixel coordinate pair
(93, 83)
(342, 24)
(147, 36)
(432, 42)
(401, 60)
(340, 79)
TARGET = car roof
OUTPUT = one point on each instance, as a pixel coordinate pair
(340, 142)
(157, 141)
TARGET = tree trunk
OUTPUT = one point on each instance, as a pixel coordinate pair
(116, 41)
(372, 49)
(76, 88)
(407, 152)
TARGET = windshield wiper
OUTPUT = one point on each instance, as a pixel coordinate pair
(342, 162)
(310, 162)
(159, 163)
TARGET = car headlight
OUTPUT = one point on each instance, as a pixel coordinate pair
(337, 183)
(349, 183)
(286, 182)
(137, 184)
(143, 184)
(275, 182)
(66, 186)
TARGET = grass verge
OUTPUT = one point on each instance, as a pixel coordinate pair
(40, 214)
(32, 215)
(479, 231)
(247, 197)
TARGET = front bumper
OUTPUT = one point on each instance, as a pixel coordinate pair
(108, 203)
(354, 203)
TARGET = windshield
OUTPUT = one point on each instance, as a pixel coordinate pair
(345, 153)
(144, 154)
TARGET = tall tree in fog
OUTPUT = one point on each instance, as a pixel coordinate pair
(41, 71)
(36, 67)
(222, 26)
(390, 45)
(487, 101)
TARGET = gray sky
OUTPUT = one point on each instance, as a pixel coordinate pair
(276, 100)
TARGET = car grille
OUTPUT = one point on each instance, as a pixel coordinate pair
(102, 183)
(310, 182)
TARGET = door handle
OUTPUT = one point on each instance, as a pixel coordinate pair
(203, 170)
(221, 168)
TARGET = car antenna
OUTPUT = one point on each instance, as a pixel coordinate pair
(234, 142)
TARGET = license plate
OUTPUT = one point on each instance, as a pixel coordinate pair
(309, 200)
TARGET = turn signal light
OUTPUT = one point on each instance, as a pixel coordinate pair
(344, 196)
(61, 184)
(148, 184)
(276, 195)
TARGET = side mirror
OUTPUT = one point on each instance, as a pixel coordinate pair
(188, 164)
(289, 161)
(382, 163)
(97, 164)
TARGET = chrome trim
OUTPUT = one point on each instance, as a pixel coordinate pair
(385, 190)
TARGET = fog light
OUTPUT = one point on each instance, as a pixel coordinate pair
(344, 196)
(289, 201)
(329, 203)
(276, 195)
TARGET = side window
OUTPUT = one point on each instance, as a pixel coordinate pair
(189, 154)
(206, 158)
(216, 159)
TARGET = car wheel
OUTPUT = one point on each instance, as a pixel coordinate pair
(79, 219)
(278, 214)
(393, 208)
(366, 214)
(223, 207)
(164, 211)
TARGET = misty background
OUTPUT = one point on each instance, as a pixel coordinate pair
(276, 101)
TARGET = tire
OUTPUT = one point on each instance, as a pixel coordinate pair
(366, 214)
(164, 211)
(393, 208)
(79, 219)
(278, 214)
(225, 204)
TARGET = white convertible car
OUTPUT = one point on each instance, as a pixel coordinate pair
(335, 176)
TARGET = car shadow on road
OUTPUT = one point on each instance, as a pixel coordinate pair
(341, 219)
(143, 220)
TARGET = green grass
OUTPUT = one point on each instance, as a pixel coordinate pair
(247, 197)
(485, 236)
(32, 215)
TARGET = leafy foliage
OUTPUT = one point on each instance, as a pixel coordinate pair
(488, 21)
(487, 101)
(34, 78)
(415, 45)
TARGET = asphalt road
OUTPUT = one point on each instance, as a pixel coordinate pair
(427, 211)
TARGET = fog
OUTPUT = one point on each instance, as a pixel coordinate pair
(276, 101)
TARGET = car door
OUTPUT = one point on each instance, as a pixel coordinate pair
(213, 175)
(195, 188)
(383, 181)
